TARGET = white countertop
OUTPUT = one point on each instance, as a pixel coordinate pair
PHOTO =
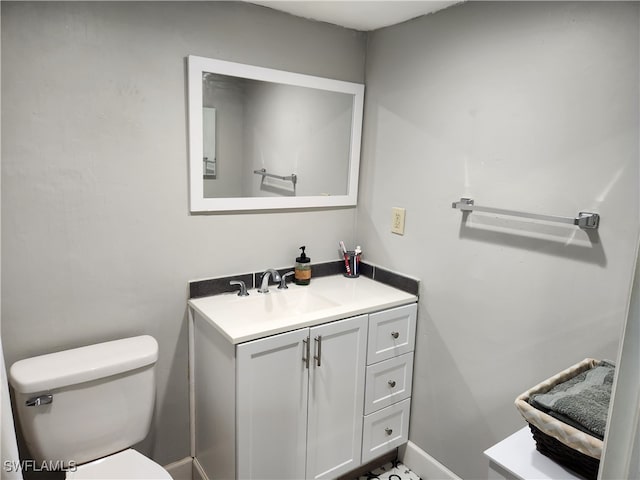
(241, 319)
(518, 455)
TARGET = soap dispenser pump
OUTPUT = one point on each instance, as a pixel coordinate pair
(302, 269)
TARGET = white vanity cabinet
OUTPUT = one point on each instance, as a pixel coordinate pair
(300, 402)
(305, 396)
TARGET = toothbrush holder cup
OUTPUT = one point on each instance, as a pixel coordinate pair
(352, 264)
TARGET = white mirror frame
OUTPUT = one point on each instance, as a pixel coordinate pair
(198, 202)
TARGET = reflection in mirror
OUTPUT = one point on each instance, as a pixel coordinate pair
(279, 131)
(209, 144)
(264, 139)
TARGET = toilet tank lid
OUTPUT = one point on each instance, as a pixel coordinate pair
(71, 367)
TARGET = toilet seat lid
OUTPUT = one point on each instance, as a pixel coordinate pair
(127, 464)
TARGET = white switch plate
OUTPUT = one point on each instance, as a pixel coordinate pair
(397, 220)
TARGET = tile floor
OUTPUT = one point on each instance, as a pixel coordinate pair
(390, 471)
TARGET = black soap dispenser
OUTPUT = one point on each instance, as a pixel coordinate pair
(302, 269)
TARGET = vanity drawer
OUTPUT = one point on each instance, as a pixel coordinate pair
(388, 382)
(385, 430)
(391, 333)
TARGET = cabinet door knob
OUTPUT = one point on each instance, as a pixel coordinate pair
(388, 430)
(392, 383)
(395, 334)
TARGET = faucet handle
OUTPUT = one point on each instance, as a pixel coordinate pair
(283, 279)
(243, 288)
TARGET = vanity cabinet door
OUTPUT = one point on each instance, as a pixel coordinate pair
(336, 397)
(272, 387)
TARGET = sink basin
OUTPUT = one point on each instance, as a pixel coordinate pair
(281, 303)
(301, 301)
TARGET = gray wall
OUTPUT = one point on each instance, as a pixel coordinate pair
(529, 106)
(98, 242)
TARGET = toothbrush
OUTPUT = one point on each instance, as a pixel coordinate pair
(346, 257)
(356, 263)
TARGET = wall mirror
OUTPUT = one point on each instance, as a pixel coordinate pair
(266, 139)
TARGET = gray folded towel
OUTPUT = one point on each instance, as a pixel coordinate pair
(583, 399)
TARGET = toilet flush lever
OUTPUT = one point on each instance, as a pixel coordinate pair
(40, 400)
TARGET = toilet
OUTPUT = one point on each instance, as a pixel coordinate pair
(82, 409)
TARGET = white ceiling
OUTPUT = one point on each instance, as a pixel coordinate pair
(362, 15)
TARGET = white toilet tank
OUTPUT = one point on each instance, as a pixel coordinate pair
(78, 405)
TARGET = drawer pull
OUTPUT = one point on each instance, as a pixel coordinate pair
(395, 334)
(392, 383)
(388, 430)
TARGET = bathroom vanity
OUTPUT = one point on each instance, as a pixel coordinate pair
(307, 382)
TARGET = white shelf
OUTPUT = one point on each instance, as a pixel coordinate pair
(516, 457)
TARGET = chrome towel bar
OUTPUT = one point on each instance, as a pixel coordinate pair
(263, 171)
(587, 220)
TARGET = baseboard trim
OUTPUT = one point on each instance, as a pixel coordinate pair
(423, 464)
(181, 470)
(419, 461)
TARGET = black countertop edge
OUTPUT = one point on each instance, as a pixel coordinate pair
(216, 286)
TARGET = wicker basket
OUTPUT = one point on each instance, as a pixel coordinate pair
(570, 447)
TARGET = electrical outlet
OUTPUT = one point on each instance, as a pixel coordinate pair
(397, 220)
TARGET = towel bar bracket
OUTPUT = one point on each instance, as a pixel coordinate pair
(585, 220)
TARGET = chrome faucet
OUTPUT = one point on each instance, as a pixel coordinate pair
(264, 284)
